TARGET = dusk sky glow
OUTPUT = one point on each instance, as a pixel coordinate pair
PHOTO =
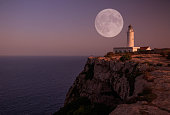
(66, 27)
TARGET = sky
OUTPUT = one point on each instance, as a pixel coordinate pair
(66, 27)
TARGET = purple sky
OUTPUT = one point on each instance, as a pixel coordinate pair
(66, 27)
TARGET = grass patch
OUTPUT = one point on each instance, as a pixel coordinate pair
(125, 57)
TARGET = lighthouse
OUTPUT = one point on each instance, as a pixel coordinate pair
(130, 43)
(130, 37)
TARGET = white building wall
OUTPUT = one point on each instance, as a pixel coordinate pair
(125, 49)
(135, 49)
(148, 48)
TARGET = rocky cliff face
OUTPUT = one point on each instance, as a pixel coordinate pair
(135, 85)
(108, 81)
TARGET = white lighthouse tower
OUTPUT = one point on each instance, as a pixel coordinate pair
(130, 37)
(130, 43)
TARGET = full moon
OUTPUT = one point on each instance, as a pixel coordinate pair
(109, 23)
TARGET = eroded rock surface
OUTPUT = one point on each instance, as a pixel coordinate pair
(138, 86)
(138, 109)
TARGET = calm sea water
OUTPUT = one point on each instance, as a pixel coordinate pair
(36, 85)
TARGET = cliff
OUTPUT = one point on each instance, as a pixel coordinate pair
(137, 86)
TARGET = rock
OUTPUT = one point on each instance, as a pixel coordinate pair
(138, 109)
(108, 81)
(133, 87)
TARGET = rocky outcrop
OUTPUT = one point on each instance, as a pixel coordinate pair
(138, 109)
(137, 86)
(108, 81)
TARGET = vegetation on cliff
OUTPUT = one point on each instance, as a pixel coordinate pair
(168, 57)
(125, 57)
(109, 54)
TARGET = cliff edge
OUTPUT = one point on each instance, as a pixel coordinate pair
(140, 85)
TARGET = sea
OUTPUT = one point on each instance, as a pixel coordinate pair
(36, 85)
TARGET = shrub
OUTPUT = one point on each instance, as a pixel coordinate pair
(159, 64)
(138, 57)
(168, 65)
(163, 54)
(125, 57)
(109, 54)
(168, 57)
(144, 52)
